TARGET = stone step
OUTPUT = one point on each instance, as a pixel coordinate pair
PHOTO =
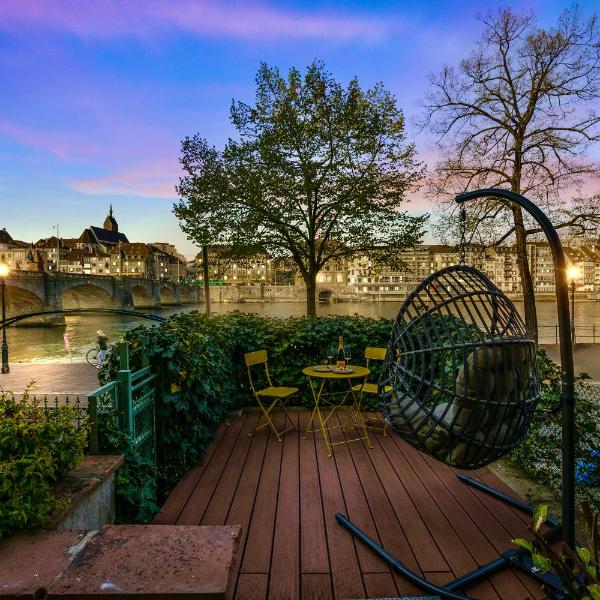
(133, 561)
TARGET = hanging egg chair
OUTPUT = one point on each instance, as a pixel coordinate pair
(459, 381)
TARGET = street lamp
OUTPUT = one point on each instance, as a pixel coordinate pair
(573, 274)
(4, 271)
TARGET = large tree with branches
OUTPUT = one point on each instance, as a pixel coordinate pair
(318, 172)
(520, 113)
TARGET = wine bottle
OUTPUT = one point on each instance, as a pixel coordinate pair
(340, 362)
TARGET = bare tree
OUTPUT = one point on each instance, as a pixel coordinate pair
(519, 113)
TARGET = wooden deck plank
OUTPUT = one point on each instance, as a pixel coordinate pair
(455, 552)
(358, 510)
(200, 497)
(285, 496)
(419, 537)
(285, 563)
(345, 568)
(466, 527)
(252, 586)
(380, 585)
(242, 506)
(220, 503)
(257, 558)
(316, 586)
(314, 557)
(171, 509)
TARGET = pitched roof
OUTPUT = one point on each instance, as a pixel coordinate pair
(106, 236)
(136, 248)
(5, 237)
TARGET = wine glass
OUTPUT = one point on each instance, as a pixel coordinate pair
(330, 355)
(347, 354)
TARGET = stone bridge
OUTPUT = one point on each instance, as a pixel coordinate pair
(30, 292)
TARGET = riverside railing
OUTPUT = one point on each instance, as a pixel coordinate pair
(584, 334)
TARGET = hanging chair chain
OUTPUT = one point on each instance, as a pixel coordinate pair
(462, 247)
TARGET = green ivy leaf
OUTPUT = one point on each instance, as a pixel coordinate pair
(540, 514)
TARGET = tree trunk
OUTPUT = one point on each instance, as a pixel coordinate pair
(311, 294)
(206, 276)
(531, 323)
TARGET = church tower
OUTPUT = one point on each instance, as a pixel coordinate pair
(110, 222)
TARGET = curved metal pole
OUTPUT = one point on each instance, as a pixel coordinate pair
(566, 349)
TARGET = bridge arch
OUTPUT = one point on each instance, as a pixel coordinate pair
(20, 300)
(184, 294)
(167, 296)
(142, 296)
(86, 295)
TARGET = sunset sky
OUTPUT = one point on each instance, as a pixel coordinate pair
(95, 97)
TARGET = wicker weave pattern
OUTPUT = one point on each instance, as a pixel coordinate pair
(461, 370)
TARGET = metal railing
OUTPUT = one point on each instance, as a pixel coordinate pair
(584, 334)
(133, 394)
(85, 410)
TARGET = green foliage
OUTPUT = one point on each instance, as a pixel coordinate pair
(539, 453)
(136, 479)
(37, 447)
(318, 173)
(577, 570)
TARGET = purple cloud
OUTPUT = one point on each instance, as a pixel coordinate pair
(154, 180)
(248, 20)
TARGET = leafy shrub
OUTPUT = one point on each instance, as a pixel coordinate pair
(577, 570)
(37, 447)
(539, 453)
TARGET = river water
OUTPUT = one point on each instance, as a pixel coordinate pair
(46, 344)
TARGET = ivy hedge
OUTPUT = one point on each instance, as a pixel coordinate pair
(37, 447)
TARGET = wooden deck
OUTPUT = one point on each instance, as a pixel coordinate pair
(285, 496)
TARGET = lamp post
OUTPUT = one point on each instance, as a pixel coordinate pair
(4, 271)
(573, 274)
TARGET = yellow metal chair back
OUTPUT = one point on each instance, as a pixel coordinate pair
(378, 354)
(252, 359)
(276, 395)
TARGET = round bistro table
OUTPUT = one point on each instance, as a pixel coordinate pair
(317, 380)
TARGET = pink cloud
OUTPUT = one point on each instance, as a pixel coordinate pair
(250, 20)
(154, 180)
(34, 138)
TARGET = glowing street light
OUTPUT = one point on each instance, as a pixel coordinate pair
(573, 273)
(4, 272)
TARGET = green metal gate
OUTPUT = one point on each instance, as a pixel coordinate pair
(133, 394)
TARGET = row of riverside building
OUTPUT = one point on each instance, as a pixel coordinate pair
(359, 278)
(97, 251)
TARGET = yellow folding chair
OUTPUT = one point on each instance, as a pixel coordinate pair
(268, 398)
(367, 387)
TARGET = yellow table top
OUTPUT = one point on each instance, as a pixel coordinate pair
(358, 372)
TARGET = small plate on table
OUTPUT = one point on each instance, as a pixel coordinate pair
(322, 368)
(342, 371)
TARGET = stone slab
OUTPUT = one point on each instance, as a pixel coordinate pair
(152, 561)
(81, 484)
(30, 563)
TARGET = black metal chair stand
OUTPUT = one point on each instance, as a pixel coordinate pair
(516, 558)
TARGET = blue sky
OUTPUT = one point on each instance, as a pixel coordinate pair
(96, 97)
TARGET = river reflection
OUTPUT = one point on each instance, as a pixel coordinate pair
(46, 344)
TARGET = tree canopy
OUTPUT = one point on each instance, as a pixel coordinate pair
(520, 112)
(318, 171)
